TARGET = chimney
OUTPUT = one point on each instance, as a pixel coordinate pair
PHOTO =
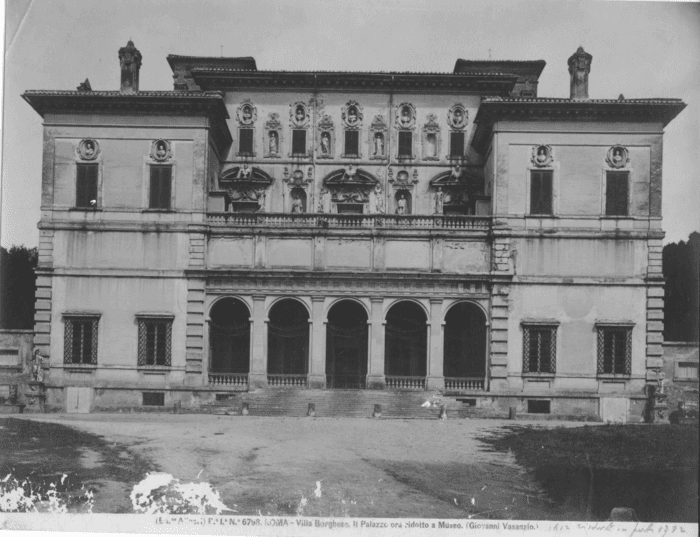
(579, 67)
(130, 61)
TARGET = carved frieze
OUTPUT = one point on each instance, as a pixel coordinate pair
(246, 113)
(617, 157)
(431, 138)
(161, 150)
(542, 156)
(88, 149)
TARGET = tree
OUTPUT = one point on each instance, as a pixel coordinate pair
(17, 287)
(681, 266)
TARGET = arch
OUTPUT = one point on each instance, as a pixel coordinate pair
(406, 340)
(288, 338)
(412, 300)
(465, 331)
(229, 336)
(295, 299)
(228, 297)
(343, 298)
(346, 344)
(341, 176)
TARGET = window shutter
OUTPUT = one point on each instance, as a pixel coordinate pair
(352, 143)
(161, 178)
(86, 185)
(245, 142)
(299, 142)
(457, 144)
(616, 194)
(541, 192)
(405, 144)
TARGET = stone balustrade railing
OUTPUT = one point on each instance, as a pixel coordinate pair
(394, 382)
(464, 383)
(351, 221)
(287, 381)
(228, 379)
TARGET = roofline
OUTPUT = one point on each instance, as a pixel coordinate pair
(172, 58)
(534, 67)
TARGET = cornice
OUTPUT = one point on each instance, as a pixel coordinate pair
(208, 103)
(551, 109)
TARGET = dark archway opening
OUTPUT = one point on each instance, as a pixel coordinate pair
(465, 342)
(288, 339)
(346, 346)
(406, 341)
(229, 337)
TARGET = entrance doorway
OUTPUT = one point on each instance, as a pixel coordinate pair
(229, 337)
(346, 346)
(288, 339)
(406, 352)
(465, 346)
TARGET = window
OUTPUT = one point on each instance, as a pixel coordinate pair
(352, 144)
(541, 192)
(155, 335)
(457, 144)
(616, 193)
(539, 348)
(686, 371)
(299, 142)
(535, 406)
(161, 178)
(80, 339)
(153, 399)
(405, 144)
(614, 350)
(245, 141)
(86, 186)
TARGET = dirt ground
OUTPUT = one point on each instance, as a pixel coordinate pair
(309, 466)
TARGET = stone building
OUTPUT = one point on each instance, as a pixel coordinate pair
(374, 233)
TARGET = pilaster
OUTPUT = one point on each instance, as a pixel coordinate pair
(42, 313)
(436, 379)
(375, 374)
(258, 357)
(317, 369)
(655, 310)
(194, 352)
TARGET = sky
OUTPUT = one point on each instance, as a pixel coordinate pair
(640, 49)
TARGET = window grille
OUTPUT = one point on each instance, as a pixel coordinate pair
(405, 144)
(86, 185)
(541, 192)
(160, 192)
(245, 141)
(299, 142)
(616, 193)
(352, 143)
(155, 336)
(457, 144)
(80, 340)
(539, 349)
(614, 350)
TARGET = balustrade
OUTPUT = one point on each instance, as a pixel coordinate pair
(228, 379)
(287, 381)
(351, 221)
(464, 383)
(405, 383)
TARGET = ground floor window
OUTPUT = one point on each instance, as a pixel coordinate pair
(155, 340)
(614, 350)
(539, 347)
(80, 339)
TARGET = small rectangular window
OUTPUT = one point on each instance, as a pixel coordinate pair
(160, 188)
(86, 186)
(153, 399)
(80, 340)
(299, 142)
(538, 407)
(457, 144)
(539, 349)
(541, 192)
(352, 143)
(405, 144)
(686, 370)
(155, 337)
(616, 193)
(614, 350)
(245, 141)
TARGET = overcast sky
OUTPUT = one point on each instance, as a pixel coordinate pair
(640, 49)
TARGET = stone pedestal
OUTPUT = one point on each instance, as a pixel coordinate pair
(35, 396)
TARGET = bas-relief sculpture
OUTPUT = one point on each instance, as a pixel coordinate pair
(617, 157)
(542, 156)
(88, 149)
(160, 150)
(246, 114)
(457, 117)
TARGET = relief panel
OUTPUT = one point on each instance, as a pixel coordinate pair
(462, 256)
(289, 253)
(231, 252)
(341, 253)
(407, 255)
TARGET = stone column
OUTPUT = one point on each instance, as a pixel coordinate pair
(258, 357)
(375, 373)
(317, 360)
(436, 377)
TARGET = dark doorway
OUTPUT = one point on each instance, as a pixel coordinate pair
(288, 339)
(406, 341)
(346, 346)
(465, 341)
(229, 337)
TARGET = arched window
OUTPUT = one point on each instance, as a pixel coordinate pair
(465, 342)
(229, 337)
(406, 341)
(346, 346)
(288, 339)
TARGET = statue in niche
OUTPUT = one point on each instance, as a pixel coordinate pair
(325, 143)
(161, 151)
(247, 114)
(300, 114)
(439, 201)
(352, 116)
(458, 118)
(323, 200)
(406, 117)
(37, 366)
(89, 150)
(378, 199)
(402, 205)
(274, 142)
(541, 155)
(431, 145)
(297, 205)
(261, 201)
(617, 156)
(378, 144)
(244, 172)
